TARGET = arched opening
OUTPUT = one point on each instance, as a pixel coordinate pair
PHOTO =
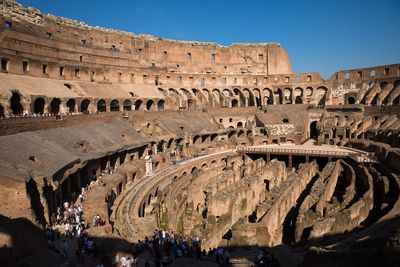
(351, 100)
(127, 105)
(71, 105)
(239, 124)
(55, 106)
(38, 106)
(250, 97)
(257, 96)
(241, 96)
(314, 132)
(138, 104)
(15, 103)
(196, 139)
(114, 105)
(161, 105)
(287, 94)
(85, 105)
(1, 112)
(101, 105)
(149, 104)
(268, 98)
(234, 103)
(298, 95)
(321, 95)
(191, 104)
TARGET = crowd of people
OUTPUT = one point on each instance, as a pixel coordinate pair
(69, 223)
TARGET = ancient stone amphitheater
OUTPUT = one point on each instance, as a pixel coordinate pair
(222, 142)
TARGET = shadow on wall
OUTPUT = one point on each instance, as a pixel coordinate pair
(24, 244)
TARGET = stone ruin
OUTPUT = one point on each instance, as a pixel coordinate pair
(225, 143)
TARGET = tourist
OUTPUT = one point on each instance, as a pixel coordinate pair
(65, 248)
(130, 262)
(123, 261)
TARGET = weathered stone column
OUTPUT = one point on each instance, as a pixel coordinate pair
(149, 165)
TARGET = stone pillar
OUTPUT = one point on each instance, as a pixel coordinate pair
(149, 165)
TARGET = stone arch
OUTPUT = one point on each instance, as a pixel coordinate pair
(15, 104)
(242, 100)
(138, 104)
(257, 96)
(38, 105)
(55, 106)
(298, 95)
(217, 96)
(234, 103)
(194, 169)
(114, 105)
(71, 103)
(249, 96)
(85, 105)
(268, 98)
(127, 105)
(101, 106)
(213, 164)
(287, 96)
(227, 93)
(396, 93)
(196, 139)
(350, 99)
(240, 133)
(186, 92)
(198, 94)
(161, 105)
(191, 103)
(239, 124)
(149, 104)
(321, 95)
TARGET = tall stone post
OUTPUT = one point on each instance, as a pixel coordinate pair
(149, 165)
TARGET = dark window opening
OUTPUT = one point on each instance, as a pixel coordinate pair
(261, 56)
(25, 65)
(80, 58)
(44, 69)
(213, 57)
(61, 71)
(82, 42)
(8, 25)
(189, 56)
(372, 73)
(77, 73)
(48, 36)
(386, 71)
(4, 65)
(165, 54)
(285, 120)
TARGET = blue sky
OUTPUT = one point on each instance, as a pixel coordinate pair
(320, 35)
